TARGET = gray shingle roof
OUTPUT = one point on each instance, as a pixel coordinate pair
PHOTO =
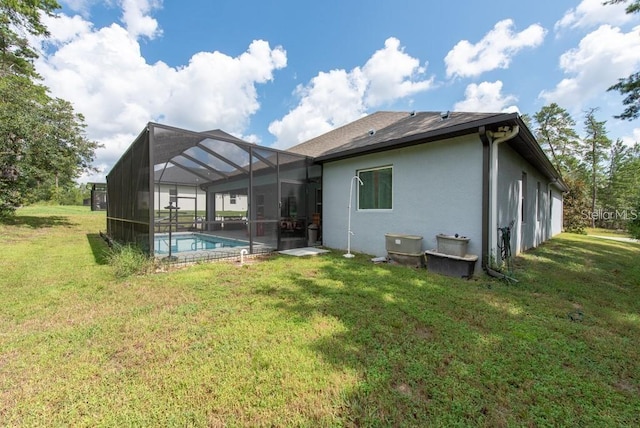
(334, 139)
(389, 127)
(400, 129)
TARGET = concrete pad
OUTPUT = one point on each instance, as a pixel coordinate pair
(306, 251)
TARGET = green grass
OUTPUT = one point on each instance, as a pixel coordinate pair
(128, 260)
(598, 231)
(321, 341)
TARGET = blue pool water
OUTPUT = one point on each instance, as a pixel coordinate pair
(185, 242)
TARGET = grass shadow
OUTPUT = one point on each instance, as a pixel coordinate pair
(99, 248)
(420, 342)
(401, 330)
(37, 222)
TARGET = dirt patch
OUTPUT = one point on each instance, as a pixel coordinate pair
(404, 389)
(625, 385)
(424, 333)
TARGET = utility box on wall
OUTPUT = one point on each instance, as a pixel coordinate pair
(405, 249)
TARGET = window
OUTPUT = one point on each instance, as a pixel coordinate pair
(376, 191)
(524, 198)
(173, 195)
(232, 199)
(260, 206)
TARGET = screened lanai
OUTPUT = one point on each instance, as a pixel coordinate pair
(192, 195)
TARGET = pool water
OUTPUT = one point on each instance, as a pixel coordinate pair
(181, 243)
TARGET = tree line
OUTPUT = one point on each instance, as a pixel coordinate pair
(44, 146)
(603, 175)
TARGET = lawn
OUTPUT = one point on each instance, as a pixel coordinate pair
(598, 231)
(320, 341)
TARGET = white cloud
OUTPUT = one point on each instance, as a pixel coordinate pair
(64, 28)
(334, 98)
(495, 50)
(631, 140)
(102, 72)
(392, 74)
(591, 13)
(331, 99)
(220, 88)
(135, 16)
(602, 57)
(79, 6)
(486, 97)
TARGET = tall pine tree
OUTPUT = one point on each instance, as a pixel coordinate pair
(596, 145)
(556, 134)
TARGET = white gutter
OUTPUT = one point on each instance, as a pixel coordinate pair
(504, 134)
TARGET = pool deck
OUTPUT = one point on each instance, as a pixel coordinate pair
(306, 251)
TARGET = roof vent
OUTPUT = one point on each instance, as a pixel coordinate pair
(372, 131)
(413, 113)
(445, 115)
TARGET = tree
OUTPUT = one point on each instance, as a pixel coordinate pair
(556, 133)
(18, 17)
(42, 139)
(596, 144)
(630, 178)
(575, 205)
(631, 8)
(619, 193)
(629, 86)
(44, 143)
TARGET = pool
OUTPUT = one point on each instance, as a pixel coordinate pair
(188, 242)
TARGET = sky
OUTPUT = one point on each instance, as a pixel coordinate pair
(277, 73)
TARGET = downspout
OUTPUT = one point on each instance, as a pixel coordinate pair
(486, 153)
(491, 140)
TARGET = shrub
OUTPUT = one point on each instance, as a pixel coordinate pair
(129, 260)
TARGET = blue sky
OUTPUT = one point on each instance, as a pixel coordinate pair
(277, 73)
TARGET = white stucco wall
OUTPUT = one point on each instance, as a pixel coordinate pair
(225, 202)
(437, 188)
(187, 197)
(556, 211)
(543, 217)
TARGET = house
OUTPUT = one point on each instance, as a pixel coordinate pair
(429, 173)
(422, 174)
(98, 198)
